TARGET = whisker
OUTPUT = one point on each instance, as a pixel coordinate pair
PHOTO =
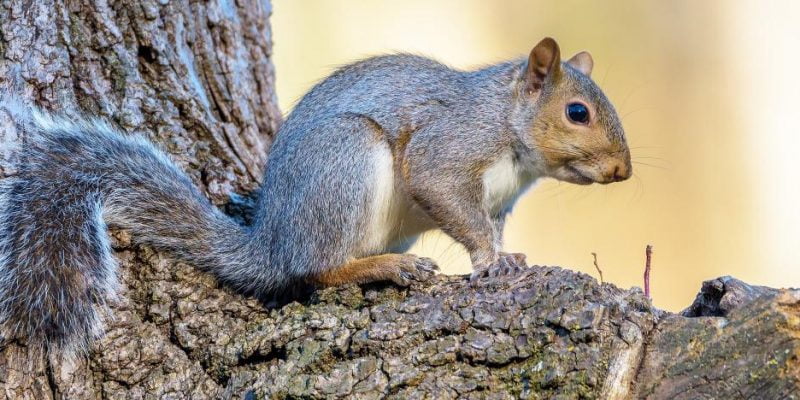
(557, 191)
(603, 81)
(648, 148)
(652, 158)
(560, 151)
(635, 88)
(622, 118)
(650, 165)
(639, 190)
(586, 192)
(573, 147)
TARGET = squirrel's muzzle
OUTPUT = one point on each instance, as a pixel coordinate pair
(614, 170)
(604, 171)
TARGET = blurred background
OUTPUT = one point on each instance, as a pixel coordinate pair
(708, 94)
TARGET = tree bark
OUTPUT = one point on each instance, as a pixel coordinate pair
(196, 78)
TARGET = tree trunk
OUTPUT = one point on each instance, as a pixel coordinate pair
(196, 78)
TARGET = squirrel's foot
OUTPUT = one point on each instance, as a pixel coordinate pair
(415, 268)
(507, 265)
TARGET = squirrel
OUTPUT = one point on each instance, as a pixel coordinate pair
(377, 153)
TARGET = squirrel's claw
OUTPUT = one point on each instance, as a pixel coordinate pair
(420, 270)
(507, 265)
(478, 272)
(426, 264)
(423, 269)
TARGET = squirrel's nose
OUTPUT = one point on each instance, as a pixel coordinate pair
(617, 171)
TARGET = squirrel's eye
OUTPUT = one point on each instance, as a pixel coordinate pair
(578, 113)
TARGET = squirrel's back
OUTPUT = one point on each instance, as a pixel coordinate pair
(378, 87)
(404, 91)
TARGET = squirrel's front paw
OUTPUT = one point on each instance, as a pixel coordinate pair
(416, 268)
(507, 264)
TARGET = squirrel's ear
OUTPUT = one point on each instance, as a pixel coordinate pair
(544, 61)
(582, 62)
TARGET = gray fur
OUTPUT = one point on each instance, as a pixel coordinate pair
(76, 176)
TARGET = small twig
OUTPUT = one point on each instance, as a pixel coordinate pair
(599, 271)
(648, 252)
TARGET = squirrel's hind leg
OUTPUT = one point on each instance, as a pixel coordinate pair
(398, 268)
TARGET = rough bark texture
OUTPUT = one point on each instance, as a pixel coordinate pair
(196, 77)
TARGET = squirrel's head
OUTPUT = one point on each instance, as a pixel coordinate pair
(575, 132)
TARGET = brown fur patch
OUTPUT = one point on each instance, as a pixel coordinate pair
(399, 152)
(364, 270)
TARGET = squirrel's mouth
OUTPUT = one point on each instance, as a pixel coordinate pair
(576, 176)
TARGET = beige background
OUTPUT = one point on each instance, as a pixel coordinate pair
(708, 96)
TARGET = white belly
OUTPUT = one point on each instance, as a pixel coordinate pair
(503, 182)
(395, 220)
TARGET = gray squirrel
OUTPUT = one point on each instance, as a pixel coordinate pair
(379, 152)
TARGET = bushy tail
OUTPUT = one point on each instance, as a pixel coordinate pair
(72, 177)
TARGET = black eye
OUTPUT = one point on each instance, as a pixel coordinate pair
(578, 113)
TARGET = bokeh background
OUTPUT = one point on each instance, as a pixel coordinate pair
(709, 95)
